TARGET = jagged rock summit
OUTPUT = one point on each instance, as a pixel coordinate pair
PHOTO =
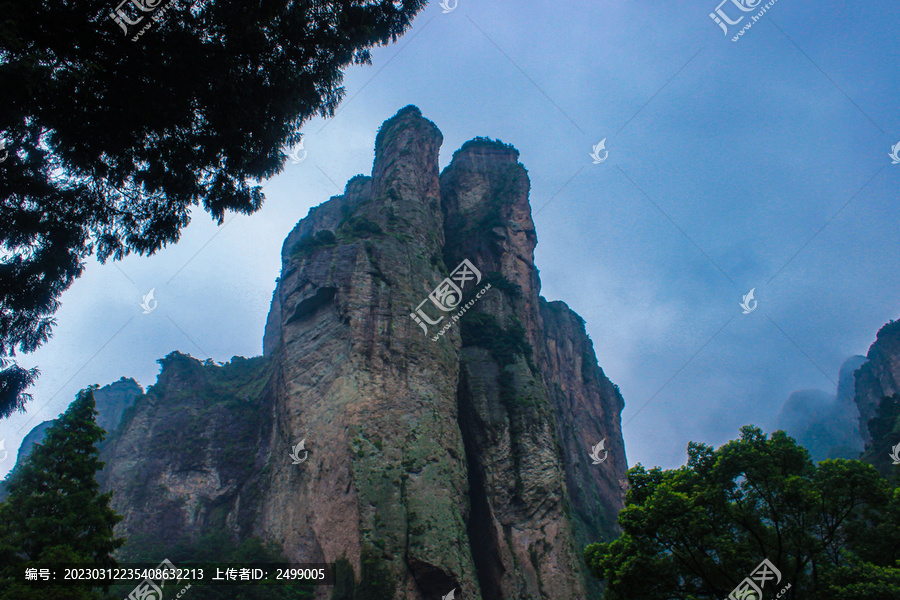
(447, 409)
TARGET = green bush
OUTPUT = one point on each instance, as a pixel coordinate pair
(498, 281)
(362, 227)
(309, 243)
(376, 582)
(484, 331)
(482, 142)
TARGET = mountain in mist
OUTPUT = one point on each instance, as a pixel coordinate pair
(826, 424)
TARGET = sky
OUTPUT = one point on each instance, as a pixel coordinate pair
(758, 164)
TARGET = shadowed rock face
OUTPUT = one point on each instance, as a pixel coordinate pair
(879, 376)
(448, 441)
(528, 417)
(111, 401)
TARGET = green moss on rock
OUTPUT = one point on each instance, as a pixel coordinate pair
(360, 227)
(308, 244)
(484, 331)
(375, 581)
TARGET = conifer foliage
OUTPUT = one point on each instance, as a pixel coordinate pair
(55, 512)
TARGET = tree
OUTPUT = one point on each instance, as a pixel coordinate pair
(55, 512)
(106, 142)
(697, 531)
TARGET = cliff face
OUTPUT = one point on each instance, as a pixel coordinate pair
(532, 400)
(448, 410)
(879, 376)
(110, 401)
(35, 436)
(190, 451)
(374, 398)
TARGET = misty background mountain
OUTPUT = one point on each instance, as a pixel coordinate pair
(826, 424)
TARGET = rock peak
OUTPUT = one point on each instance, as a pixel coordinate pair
(454, 458)
(408, 120)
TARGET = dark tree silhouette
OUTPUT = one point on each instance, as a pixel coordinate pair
(117, 117)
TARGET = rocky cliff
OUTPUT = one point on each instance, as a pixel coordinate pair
(35, 436)
(110, 401)
(879, 377)
(446, 411)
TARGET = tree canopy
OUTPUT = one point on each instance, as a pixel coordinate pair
(696, 532)
(119, 116)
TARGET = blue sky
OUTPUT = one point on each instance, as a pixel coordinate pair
(761, 163)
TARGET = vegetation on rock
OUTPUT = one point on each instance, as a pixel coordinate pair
(486, 142)
(215, 546)
(484, 330)
(308, 244)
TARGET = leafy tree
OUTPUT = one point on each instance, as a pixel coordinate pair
(697, 531)
(55, 512)
(107, 141)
